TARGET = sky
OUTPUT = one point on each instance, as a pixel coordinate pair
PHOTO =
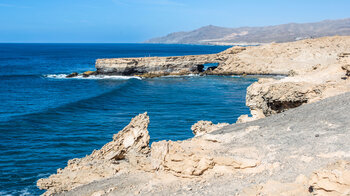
(132, 21)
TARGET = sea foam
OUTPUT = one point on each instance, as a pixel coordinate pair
(96, 77)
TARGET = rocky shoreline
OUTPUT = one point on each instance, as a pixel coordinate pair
(279, 150)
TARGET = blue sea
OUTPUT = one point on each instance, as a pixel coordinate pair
(46, 119)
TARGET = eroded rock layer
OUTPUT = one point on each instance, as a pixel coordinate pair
(116, 156)
(160, 66)
(157, 66)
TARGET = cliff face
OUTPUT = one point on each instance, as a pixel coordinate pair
(160, 66)
(287, 58)
(317, 69)
(156, 65)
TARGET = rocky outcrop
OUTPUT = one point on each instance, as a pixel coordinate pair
(202, 127)
(158, 66)
(332, 180)
(284, 58)
(317, 69)
(88, 73)
(297, 152)
(74, 74)
(116, 156)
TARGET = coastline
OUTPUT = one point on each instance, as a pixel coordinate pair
(317, 69)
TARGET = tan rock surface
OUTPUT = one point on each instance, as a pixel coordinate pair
(318, 69)
(156, 65)
(333, 180)
(103, 163)
(160, 66)
(202, 127)
(281, 58)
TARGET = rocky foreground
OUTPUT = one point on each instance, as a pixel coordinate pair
(299, 152)
(277, 151)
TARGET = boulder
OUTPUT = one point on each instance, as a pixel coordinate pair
(203, 127)
(74, 74)
(89, 73)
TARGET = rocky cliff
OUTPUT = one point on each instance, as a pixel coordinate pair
(155, 65)
(160, 66)
(295, 143)
(298, 152)
(317, 69)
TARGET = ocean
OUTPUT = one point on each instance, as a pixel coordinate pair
(46, 119)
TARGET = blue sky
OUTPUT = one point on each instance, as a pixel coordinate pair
(121, 21)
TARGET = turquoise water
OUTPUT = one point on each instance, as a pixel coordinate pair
(45, 119)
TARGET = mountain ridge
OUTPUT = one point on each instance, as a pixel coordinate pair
(216, 35)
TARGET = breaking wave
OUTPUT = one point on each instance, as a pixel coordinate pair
(97, 77)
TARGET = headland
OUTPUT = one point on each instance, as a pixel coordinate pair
(295, 142)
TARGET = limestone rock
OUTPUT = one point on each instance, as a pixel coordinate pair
(346, 68)
(193, 158)
(203, 127)
(134, 137)
(132, 141)
(282, 58)
(156, 66)
(267, 96)
(89, 73)
(333, 180)
(272, 188)
(245, 118)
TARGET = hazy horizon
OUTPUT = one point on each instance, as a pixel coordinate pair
(134, 21)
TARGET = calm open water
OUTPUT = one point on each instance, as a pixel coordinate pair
(45, 120)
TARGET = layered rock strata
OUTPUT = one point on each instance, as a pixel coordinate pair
(157, 66)
(160, 66)
(308, 84)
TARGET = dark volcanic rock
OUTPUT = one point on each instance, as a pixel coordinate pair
(89, 73)
(74, 74)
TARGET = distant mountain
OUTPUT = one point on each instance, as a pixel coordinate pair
(254, 35)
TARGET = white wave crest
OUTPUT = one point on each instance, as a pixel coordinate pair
(178, 76)
(96, 77)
